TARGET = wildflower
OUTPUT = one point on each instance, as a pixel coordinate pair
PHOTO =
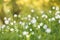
(11, 29)
(38, 26)
(50, 11)
(5, 18)
(44, 16)
(53, 19)
(9, 19)
(26, 26)
(29, 16)
(20, 22)
(59, 21)
(30, 29)
(32, 10)
(45, 26)
(3, 26)
(49, 19)
(15, 15)
(27, 36)
(25, 33)
(53, 7)
(33, 21)
(41, 24)
(6, 21)
(12, 23)
(57, 16)
(48, 30)
(39, 36)
(57, 8)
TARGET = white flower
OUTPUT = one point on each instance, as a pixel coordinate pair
(29, 16)
(53, 19)
(25, 33)
(59, 21)
(48, 30)
(39, 36)
(33, 21)
(57, 13)
(45, 26)
(9, 19)
(5, 18)
(50, 11)
(57, 8)
(12, 23)
(20, 22)
(37, 17)
(44, 16)
(57, 16)
(32, 10)
(15, 15)
(53, 7)
(3, 26)
(6, 21)
(11, 29)
(49, 20)
(26, 26)
(30, 29)
(41, 24)
(27, 36)
(38, 26)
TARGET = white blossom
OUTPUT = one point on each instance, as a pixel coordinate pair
(41, 24)
(33, 21)
(30, 29)
(29, 16)
(25, 33)
(3, 26)
(6, 21)
(53, 19)
(12, 23)
(5, 18)
(38, 26)
(50, 11)
(57, 16)
(44, 16)
(15, 15)
(58, 21)
(39, 36)
(45, 26)
(32, 10)
(11, 29)
(53, 7)
(9, 19)
(57, 8)
(48, 30)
